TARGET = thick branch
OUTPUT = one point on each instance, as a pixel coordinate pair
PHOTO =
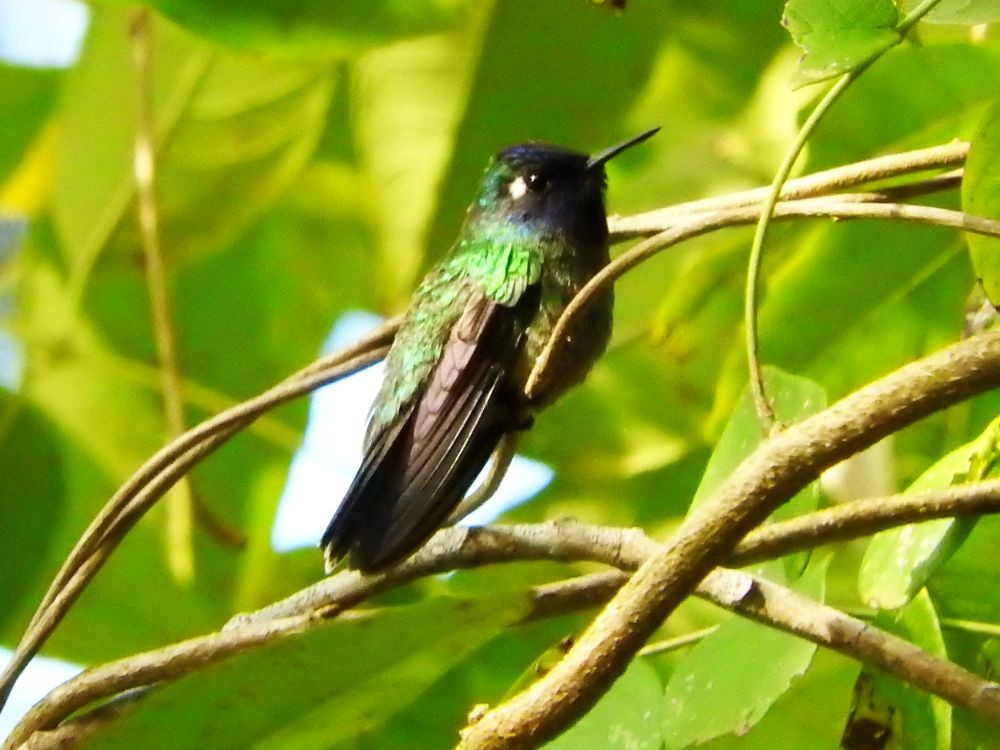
(570, 540)
(778, 469)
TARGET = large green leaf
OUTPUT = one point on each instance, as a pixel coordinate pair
(407, 99)
(954, 87)
(792, 398)
(314, 689)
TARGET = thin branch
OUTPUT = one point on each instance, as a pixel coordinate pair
(180, 502)
(865, 517)
(571, 541)
(160, 472)
(503, 454)
(848, 206)
(780, 607)
(774, 472)
(809, 186)
(752, 294)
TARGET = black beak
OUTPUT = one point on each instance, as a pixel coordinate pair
(601, 157)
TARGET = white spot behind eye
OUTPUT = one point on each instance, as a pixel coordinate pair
(518, 187)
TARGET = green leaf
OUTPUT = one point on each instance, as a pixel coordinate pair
(312, 27)
(628, 716)
(839, 35)
(899, 562)
(314, 689)
(964, 12)
(793, 398)
(729, 680)
(967, 586)
(949, 102)
(981, 197)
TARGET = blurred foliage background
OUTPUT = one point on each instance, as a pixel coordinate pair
(315, 158)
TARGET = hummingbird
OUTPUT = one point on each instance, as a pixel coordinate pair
(455, 374)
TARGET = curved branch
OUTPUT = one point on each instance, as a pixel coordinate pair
(570, 540)
(848, 206)
(158, 474)
(774, 472)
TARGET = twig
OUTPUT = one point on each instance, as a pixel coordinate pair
(864, 517)
(809, 186)
(568, 540)
(180, 501)
(678, 642)
(778, 469)
(752, 294)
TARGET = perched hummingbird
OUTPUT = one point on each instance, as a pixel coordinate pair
(455, 374)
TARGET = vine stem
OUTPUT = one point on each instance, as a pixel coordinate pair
(752, 295)
(180, 500)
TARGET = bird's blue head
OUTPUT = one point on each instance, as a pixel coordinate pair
(548, 188)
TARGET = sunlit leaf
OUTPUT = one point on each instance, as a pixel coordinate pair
(28, 95)
(839, 36)
(233, 131)
(964, 12)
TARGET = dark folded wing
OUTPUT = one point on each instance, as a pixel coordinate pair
(417, 470)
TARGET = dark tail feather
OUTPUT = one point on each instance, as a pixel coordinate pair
(416, 471)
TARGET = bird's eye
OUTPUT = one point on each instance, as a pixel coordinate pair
(537, 183)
